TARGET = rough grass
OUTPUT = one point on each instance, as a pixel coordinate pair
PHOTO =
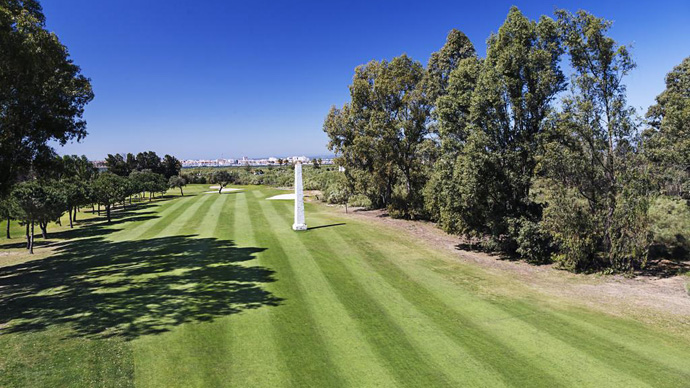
(217, 290)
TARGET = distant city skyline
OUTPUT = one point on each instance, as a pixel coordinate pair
(228, 79)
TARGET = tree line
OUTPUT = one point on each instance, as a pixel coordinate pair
(518, 157)
(69, 183)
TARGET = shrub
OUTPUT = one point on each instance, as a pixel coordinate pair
(670, 226)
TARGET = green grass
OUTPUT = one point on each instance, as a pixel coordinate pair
(217, 290)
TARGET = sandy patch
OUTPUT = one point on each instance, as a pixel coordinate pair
(225, 190)
(283, 196)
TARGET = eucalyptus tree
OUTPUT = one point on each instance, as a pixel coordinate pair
(379, 135)
(667, 141)
(596, 200)
(491, 121)
(42, 92)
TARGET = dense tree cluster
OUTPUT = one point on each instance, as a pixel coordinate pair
(66, 184)
(509, 152)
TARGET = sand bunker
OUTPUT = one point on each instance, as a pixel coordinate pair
(283, 196)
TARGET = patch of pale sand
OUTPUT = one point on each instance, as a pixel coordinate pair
(225, 190)
(283, 196)
(214, 187)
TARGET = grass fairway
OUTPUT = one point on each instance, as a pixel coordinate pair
(216, 290)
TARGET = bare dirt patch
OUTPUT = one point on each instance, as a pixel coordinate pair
(650, 298)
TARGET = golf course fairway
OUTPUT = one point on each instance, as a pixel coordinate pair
(216, 290)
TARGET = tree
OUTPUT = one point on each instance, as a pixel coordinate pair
(667, 141)
(6, 213)
(222, 178)
(117, 165)
(170, 166)
(42, 92)
(316, 163)
(491, 121)
(596, 206)
(35, 202)
(108, 189)
(177, 181)
(443, 62)
(53, 207)
(147, 180)
(379, 135)
(149, 161)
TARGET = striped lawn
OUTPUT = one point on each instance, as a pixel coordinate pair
(216, 290)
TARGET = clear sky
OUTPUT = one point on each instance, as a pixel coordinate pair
(218, 78)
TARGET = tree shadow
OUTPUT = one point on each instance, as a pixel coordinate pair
(325, 226)
(132, 288)
(84, 229)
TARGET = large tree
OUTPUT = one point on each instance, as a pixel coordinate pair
(42, 92)
(109, 189)
(379, 136)
(667, 141)
(170, 166)
(595, 205)
(492, 118)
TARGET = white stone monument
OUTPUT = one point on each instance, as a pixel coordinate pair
(299, 199)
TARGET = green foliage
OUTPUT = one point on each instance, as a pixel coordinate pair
(670, 226)
(177, 181)
(109, 189)
(379, 135)
(42, 92)
(667, 141)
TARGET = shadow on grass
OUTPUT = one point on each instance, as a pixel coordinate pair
(83, 229)
(325, 226)
(132, 288)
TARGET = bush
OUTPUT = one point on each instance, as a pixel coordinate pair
(670, 226)
(534, 245)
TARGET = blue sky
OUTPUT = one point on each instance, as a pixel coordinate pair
(209, 79)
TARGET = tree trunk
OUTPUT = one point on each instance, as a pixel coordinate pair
(28, 237)
(31, 240)
(74, 217)
(181, 192)
(150, 196)
(99, 209)
(8, 227)
(107, 210)
(44, 229)
(345, 207)
(220, 190)
(71, 224)
(130, 199)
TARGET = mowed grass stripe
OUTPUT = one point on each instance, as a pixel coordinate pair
(579, 347)
(346, 342)
(437, 347)
(512, 365)
(616, 356)
(192, 354)
(407, 327)
(299, 339)
(255, 359)
(516, 343)
(161, 212)
(177, 220)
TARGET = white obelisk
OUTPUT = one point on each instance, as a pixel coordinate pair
(299, 199)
